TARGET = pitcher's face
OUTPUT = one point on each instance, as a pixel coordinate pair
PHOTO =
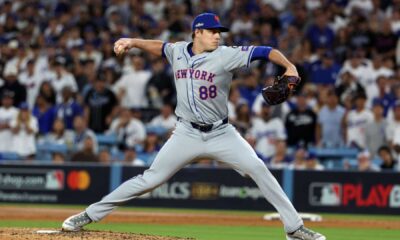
(209, 38)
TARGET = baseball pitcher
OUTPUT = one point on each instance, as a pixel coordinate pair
(203, 74)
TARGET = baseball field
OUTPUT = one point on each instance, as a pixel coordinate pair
(21, 221)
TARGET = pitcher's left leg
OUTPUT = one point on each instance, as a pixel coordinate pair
(232, 149)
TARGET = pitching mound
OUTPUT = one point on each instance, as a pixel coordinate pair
(31, 234)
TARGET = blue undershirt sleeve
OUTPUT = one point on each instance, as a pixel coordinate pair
(261, 53)
(162, 50)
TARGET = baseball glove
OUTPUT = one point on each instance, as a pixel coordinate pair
(282, 88)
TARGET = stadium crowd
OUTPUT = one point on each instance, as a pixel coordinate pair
(65, 96)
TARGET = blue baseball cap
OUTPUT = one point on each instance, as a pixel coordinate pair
(377, 102)
(208, 21)
(23, 106)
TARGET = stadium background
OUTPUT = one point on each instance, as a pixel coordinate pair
(75, 120)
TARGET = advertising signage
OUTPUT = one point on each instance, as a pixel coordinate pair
(347, 192)
(204, 188)
(53, 183)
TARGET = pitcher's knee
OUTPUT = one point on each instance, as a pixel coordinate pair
(151, 181)
(256, 168)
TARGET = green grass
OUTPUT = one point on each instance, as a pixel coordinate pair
(203, 232)
(217, 232)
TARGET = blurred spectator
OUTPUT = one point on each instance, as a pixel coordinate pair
(243, 118)
(166, 119)
(393, 124)
(312, 162)
(348, 86)
(130, 157)
(233, 101)
(361, 37)
(375, 130)
(40, 59)
(150, 148)
(47, 91)
(24, 128)
(100, 107)
(373, 73)
(69, 108)
(364, 162)
(130, 88)
(155, 8)
(160, 88)
(32, 81)
(129, 130)
(281, 159)
(385, 40)
(329, 132)
(87, 153)
(18, 59)
(299, 160)
(326, 70)
(250, 88)
(267, 131)
(60, 135)
(243, 24)
(81, 132)
(319, 33)
(381, 93)
(388, 161)
(301, 123)
(60, 77)
(11, 84)
(89, 52)
(266, 36)
(58, 158)
(45, 114)
(104, 156)
(86, 76)
(341, 44)
(359, 7)
(357, 66)
(355, 123)
(7, 114)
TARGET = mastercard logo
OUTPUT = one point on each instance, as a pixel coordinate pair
(78, 180)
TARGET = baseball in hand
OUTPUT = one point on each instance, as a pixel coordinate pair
(119, 49)
(121, 46)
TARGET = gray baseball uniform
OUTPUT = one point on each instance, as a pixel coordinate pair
(202, 84)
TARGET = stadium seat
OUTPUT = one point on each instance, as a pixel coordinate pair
(45, 150)
(158, 130)
(332, 153)
(9, 156)
(107, 139)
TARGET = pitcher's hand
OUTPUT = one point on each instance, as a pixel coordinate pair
(123, 45)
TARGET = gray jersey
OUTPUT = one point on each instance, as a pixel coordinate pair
(203, 80)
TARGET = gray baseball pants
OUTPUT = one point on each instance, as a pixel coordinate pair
(224, 144)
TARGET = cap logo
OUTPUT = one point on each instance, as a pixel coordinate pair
(199, 25)
(216, 18)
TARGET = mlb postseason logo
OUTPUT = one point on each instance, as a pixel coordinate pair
(325, 194)
(331, 194)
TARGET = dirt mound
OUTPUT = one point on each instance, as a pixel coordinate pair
(31, 234)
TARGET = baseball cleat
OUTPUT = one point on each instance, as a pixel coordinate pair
(304, 233)
(76, 222)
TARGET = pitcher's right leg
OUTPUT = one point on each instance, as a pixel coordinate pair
(178, 151)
